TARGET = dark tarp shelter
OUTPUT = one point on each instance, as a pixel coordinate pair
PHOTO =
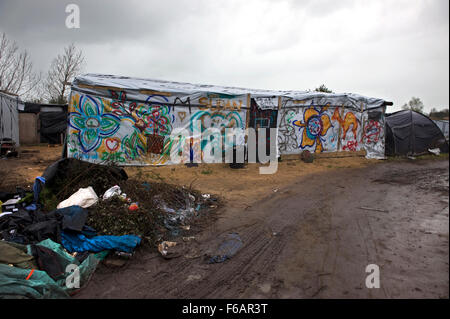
(52, 118)
(412, 133)
(52, 125)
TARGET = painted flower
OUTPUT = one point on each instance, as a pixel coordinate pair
(153, 117)
(316, 124)
(92, 124)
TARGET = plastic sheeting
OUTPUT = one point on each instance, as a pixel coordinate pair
(14, 283)
(412, 133)
(53, 124)
(443, 126)
(9, 117)
(84, 197)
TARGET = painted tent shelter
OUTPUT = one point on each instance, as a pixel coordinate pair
(133, 121)
(321, 122)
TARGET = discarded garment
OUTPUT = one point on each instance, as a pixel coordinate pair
(26, 227)
(76, 242)
(15, 254)
(37, 187)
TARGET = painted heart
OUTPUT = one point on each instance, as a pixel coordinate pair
(112, 144)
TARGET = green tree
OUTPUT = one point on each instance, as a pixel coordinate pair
(415, 104)
(323, 88)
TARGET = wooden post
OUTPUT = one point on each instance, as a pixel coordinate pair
(249, 103)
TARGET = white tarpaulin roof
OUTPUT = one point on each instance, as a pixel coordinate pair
(96, 81)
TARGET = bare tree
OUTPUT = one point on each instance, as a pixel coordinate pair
(16, 68)
(62, 71)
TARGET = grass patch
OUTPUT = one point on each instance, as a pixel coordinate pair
(207, 171)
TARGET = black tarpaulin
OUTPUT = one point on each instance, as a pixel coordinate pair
(412, 133)
(52, 125)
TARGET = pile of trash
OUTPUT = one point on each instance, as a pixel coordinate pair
(77, 215)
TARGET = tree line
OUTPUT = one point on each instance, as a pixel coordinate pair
(18, 76)
(414, 104)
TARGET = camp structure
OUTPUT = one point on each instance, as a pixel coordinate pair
(444, 127)
(9, 120)
(411, 133)
(42, 123)
(131, 121)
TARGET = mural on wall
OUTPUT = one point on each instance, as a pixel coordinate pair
(308, 125)
(113, 129)
(215, 119)
(349, 127)
(314, 127)
(124, 131)
(373, 136)
(287, 137)
(92, 124)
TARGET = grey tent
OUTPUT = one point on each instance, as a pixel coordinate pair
(9, 117)
(443, 125)
(412, 133)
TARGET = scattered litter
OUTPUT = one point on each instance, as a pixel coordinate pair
(115, 262)
(72, 185)
(133, 207)
(123, 254)
(275, 190)
(374, 209)
(113, 191)
(435, 151)
(193, 255)
(84, 197)
(227, 249)
(410, 157)
(164, 246)
(11, 205)
(146, 186)
(193, 277)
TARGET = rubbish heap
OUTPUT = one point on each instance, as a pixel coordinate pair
(53, 238)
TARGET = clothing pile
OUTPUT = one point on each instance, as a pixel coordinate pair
(40, 251)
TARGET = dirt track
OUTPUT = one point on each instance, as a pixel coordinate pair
(311, 239)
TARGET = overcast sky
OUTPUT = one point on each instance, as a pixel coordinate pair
(391, 49)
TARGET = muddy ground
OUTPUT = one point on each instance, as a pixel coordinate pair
(308, 231)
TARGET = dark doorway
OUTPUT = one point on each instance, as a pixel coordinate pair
(262, 119)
